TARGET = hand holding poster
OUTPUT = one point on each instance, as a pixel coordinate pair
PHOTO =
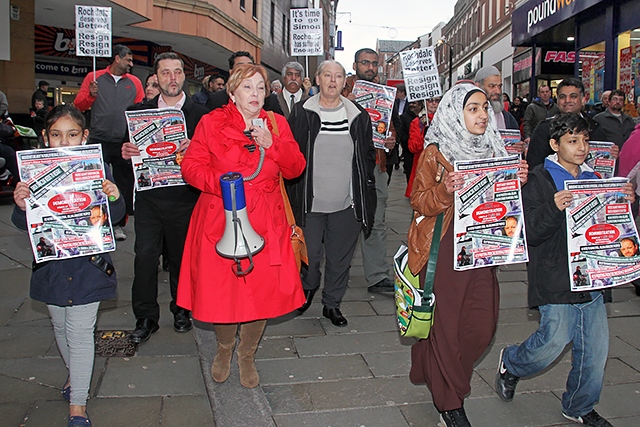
(602, 238)
(67, 213)
(420, 72)
(157, 133)
(600, 159)
(378, 101)
(488, 221)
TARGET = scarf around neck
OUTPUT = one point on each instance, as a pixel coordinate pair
(449, 131)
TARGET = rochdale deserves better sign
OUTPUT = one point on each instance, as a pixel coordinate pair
(93, 31)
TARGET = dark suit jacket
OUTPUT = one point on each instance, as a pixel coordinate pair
(220, 98)
(509, 120)
(284, 103)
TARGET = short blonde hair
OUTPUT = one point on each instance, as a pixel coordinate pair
(245, 71)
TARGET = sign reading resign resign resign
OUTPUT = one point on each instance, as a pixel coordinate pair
(306, 32)
(420, 74)
(93, 31)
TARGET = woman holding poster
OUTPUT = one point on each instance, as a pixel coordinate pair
(466, 314)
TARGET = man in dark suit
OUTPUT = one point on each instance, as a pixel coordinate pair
(162, 213)
(293, 90)
(219, 98)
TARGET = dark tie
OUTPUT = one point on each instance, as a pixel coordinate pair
(293, 101)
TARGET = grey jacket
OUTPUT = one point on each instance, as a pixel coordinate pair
(536, 113)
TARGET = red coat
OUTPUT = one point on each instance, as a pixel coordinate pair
(208, 287)
(417, 131)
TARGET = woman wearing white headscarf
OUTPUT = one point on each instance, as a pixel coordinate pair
(463, 128)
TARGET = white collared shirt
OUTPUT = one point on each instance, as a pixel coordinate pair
(287, 95)
(178, 106)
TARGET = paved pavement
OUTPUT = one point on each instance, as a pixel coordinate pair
(312, 373)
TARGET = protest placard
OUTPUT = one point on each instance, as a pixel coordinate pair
(488, 217)
(510, 137)
(378, 101)
(420, 72)
(93, 31)
(602, 238)
(306, 32)
(157, 133)
(600, 159)
(67, 212)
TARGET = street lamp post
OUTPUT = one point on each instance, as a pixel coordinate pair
(451, 51)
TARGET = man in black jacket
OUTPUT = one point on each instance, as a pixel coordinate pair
(162, 213)
(570, 100)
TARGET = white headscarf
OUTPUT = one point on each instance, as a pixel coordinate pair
(450, 132)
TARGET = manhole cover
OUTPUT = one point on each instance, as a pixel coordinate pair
(114, 344)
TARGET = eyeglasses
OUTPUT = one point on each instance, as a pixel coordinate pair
(366, 63)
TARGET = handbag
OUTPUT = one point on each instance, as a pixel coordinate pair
(298, 244)
(415, 304)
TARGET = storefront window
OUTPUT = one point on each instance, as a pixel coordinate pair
(592, 72)
(629, 64)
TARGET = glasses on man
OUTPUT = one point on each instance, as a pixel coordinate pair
(368, 63)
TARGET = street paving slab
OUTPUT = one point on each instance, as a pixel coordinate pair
(313, 374)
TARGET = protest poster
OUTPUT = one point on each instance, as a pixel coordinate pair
(157, 133)
(306, 32)
(378, 101)
(420, 71)
(93, 31)
(602, 238)
(600, 159)
(510, 137)
(67, 213)
(488, 222)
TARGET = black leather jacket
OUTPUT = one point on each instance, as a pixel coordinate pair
(305, 125)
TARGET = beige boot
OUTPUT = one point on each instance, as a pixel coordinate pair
(226, 337)
(250, 334)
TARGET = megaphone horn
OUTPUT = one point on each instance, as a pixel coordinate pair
(239, 239)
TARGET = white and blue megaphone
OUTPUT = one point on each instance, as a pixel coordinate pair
(239, 239)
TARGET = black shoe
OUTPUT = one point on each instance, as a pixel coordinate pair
(455, 418)
(637, 289)
(144, 329)
(309, 298)
(335, 315)
(591, 419)
(181, 321)
(505, 381)
(385, 285)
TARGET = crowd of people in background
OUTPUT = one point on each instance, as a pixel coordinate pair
(311, 133)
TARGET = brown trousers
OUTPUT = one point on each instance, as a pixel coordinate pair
(467, 304)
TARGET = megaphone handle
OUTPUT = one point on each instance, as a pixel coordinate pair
(237, 267)
(259, 168)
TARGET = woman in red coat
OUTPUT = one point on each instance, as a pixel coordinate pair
(226, 140)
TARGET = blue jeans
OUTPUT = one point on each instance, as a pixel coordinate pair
(585, 325)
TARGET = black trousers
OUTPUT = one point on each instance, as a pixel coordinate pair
(122, 174)
(158, 219)
(336, 235)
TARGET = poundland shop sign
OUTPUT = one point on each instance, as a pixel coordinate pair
(536, 16)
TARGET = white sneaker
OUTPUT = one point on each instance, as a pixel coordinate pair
(118, 232)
